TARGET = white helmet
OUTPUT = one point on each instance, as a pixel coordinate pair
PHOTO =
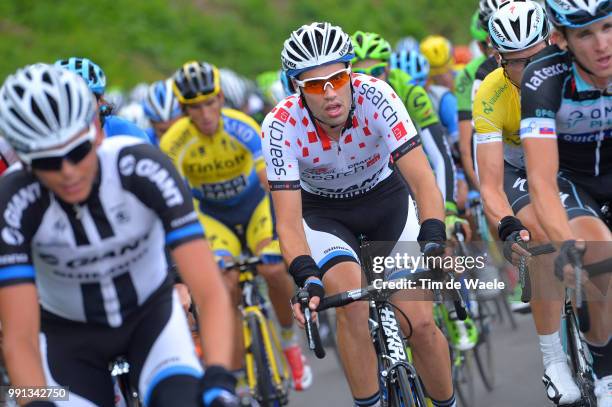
(407, 44)
(314, 45)
(134, 112)
(42, 107)
(236, 89)
(518, 25)
(139, 92)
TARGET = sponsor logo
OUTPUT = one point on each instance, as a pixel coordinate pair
(192, 216)
(399, 131)
(377, 98)
(563, 197)
(487, 105)
(216, 164)
(540, 75)
(12, 236)
(84, 261)
(395, 346)
(282, 115)
(519, 184)
(15, 258)
(154, 172)
(348, 191)
(19, 202)
(224, 190)
(583, 138)
(276, 134)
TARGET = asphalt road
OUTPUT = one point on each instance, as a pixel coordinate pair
(518, 367)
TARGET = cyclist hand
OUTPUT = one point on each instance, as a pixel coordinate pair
(515, 246)
(313, 290)
(569, 252)
(451, 220)
(218, 388)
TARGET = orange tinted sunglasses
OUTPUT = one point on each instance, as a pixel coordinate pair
(318, 85)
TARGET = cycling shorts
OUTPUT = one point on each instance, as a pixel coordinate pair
(155, 341)
(576, 201)
(386, 213)
(231, 239)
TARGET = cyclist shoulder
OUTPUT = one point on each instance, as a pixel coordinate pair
(493, 101)
(177, 136)
(543, 81)
(485, 67)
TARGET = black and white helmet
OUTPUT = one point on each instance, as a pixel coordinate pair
(518, 25)
(314, 45)
(43, 106)
(486, 9)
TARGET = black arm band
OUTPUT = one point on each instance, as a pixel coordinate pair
(432, 230)
(508, 225)
(303, 267)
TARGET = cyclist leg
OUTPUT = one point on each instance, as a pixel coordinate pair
(163, 362)
(585, 220)
(262, 241)
(429, 347)
(77, 356)
(335, 248)
(547, 295)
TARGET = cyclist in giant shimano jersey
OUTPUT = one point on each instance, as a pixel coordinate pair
(372, 54)
(161, 108)
(327, 151)
(566, 100)
(502, 177)
(86, 218)
(96, 80)
(218, 151)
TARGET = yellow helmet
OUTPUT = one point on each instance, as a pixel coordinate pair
(439, 52)
(196, 82)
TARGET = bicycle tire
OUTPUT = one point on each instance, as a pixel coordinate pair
(586, 386)
(463, 380)
(264, 382)
(483, 351)
(400, 389)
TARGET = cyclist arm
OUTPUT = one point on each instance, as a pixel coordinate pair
(199, 271)
(543, 187)
(288, 211)
(539, 106)
(20, 316)
(490, 159)
(465, 149)
(463, 91)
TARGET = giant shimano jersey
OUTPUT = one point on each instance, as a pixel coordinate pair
(556, 103)
(221, 169)
(299, 154)
(497, 116)
(100, 260)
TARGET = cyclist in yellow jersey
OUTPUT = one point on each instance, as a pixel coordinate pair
(218, 151)
(519, 30)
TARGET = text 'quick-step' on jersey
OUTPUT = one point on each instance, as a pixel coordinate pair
(98, 261)
(300, 155)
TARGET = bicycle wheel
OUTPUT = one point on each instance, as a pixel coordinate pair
(463, 379)
(483, 352)
(264, 388)
(578, 360)
(400, 388)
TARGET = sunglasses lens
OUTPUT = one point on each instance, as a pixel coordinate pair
(317, 86)
(75, 156)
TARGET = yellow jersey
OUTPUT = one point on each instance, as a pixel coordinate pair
(221, 169)
(497, 116)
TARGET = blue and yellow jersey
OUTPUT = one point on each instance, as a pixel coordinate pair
(221, 169)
